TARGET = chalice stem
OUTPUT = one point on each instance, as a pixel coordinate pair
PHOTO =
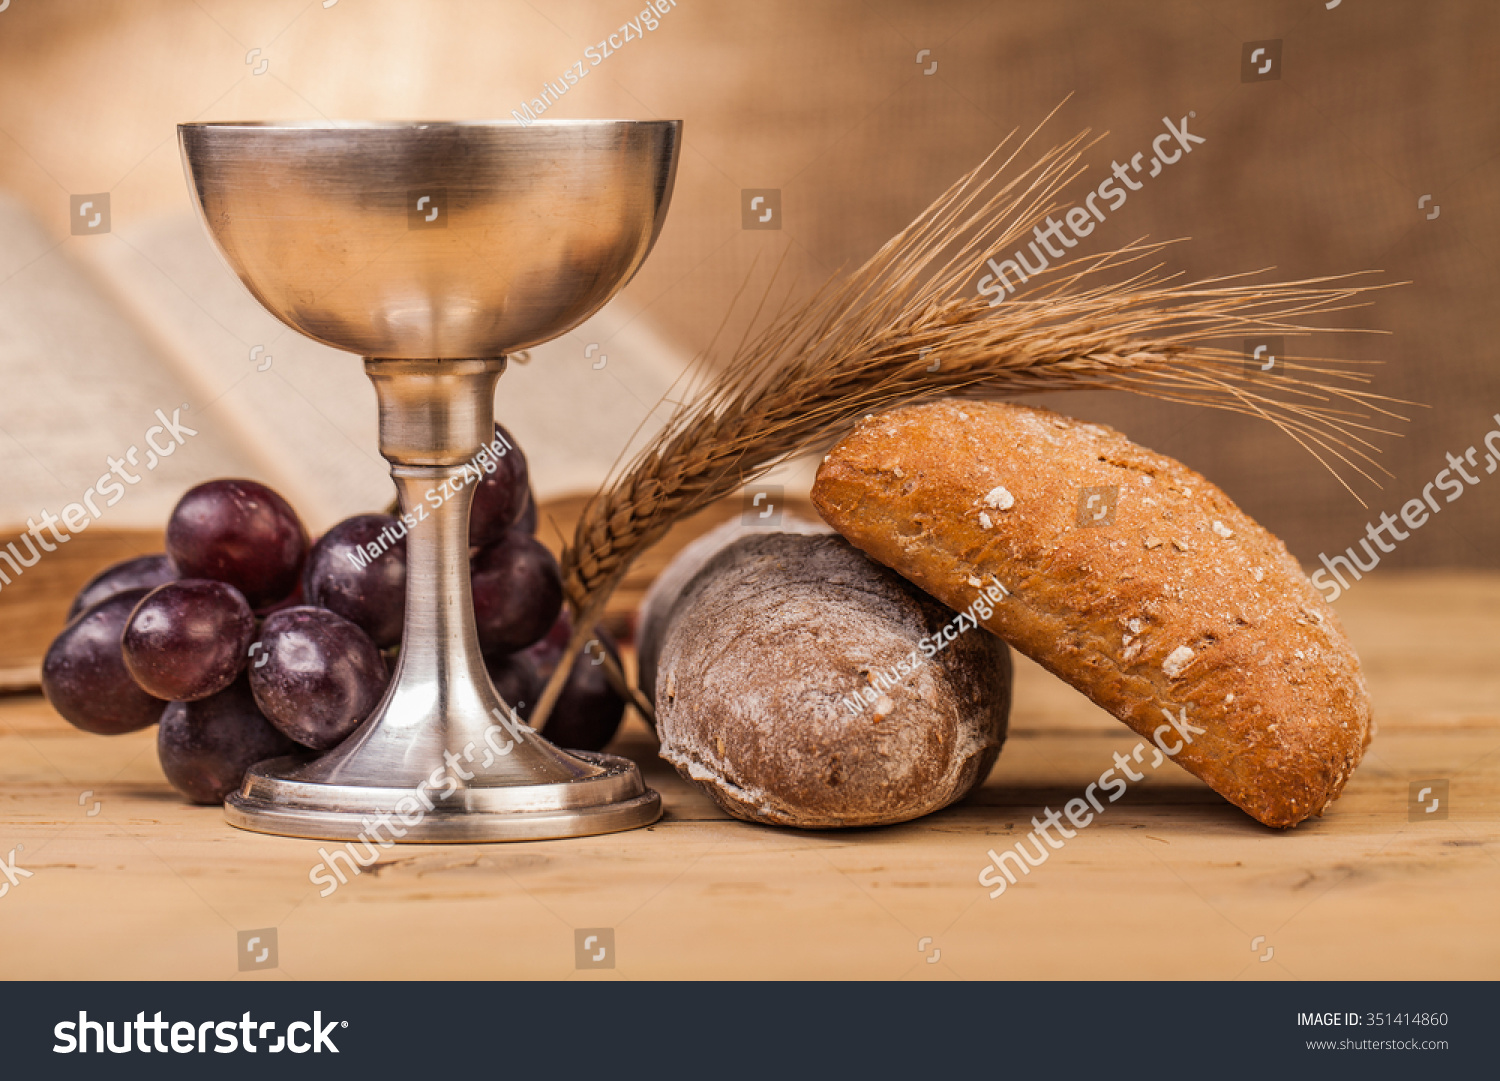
(434, 418)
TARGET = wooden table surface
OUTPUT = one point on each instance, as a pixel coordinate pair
(1172, 882)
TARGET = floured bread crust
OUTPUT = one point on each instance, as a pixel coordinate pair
(655, 613)
(759, 688)
(1159, 594)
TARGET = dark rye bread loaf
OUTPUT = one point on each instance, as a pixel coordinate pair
(793, 687)
(655, 614)
(1159, 594)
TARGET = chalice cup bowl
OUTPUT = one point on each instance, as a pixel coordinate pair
(434, 250)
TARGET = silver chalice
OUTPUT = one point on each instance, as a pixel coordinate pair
(433, 250)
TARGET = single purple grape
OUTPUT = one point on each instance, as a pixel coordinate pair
(240, 532)
(358, 570)
(588, 712)
(528, 516)
(547, 653)
(515, 677)
(500, 498)
(142, 572)
(206, 746)
(84, 674)
(317, 677)
(188, 639)
(517, 592)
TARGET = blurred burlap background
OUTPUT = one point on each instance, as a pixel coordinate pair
(1318, 172)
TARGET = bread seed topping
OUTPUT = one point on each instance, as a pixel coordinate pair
(1000, 499)
(1176, 661)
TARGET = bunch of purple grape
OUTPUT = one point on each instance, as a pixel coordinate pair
(244, 642)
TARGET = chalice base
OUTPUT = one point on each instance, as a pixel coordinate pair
(276, 798)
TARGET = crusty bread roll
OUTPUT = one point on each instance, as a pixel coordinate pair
(1163, 597)
(794, 686)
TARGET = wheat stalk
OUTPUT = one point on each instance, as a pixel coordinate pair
(869, 341)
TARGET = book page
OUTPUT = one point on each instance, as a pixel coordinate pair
(95, 423)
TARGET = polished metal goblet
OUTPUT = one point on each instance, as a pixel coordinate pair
(434, 250)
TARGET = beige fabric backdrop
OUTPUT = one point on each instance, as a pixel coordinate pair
(1317, 172)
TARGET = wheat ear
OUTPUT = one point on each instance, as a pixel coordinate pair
(908, 326)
